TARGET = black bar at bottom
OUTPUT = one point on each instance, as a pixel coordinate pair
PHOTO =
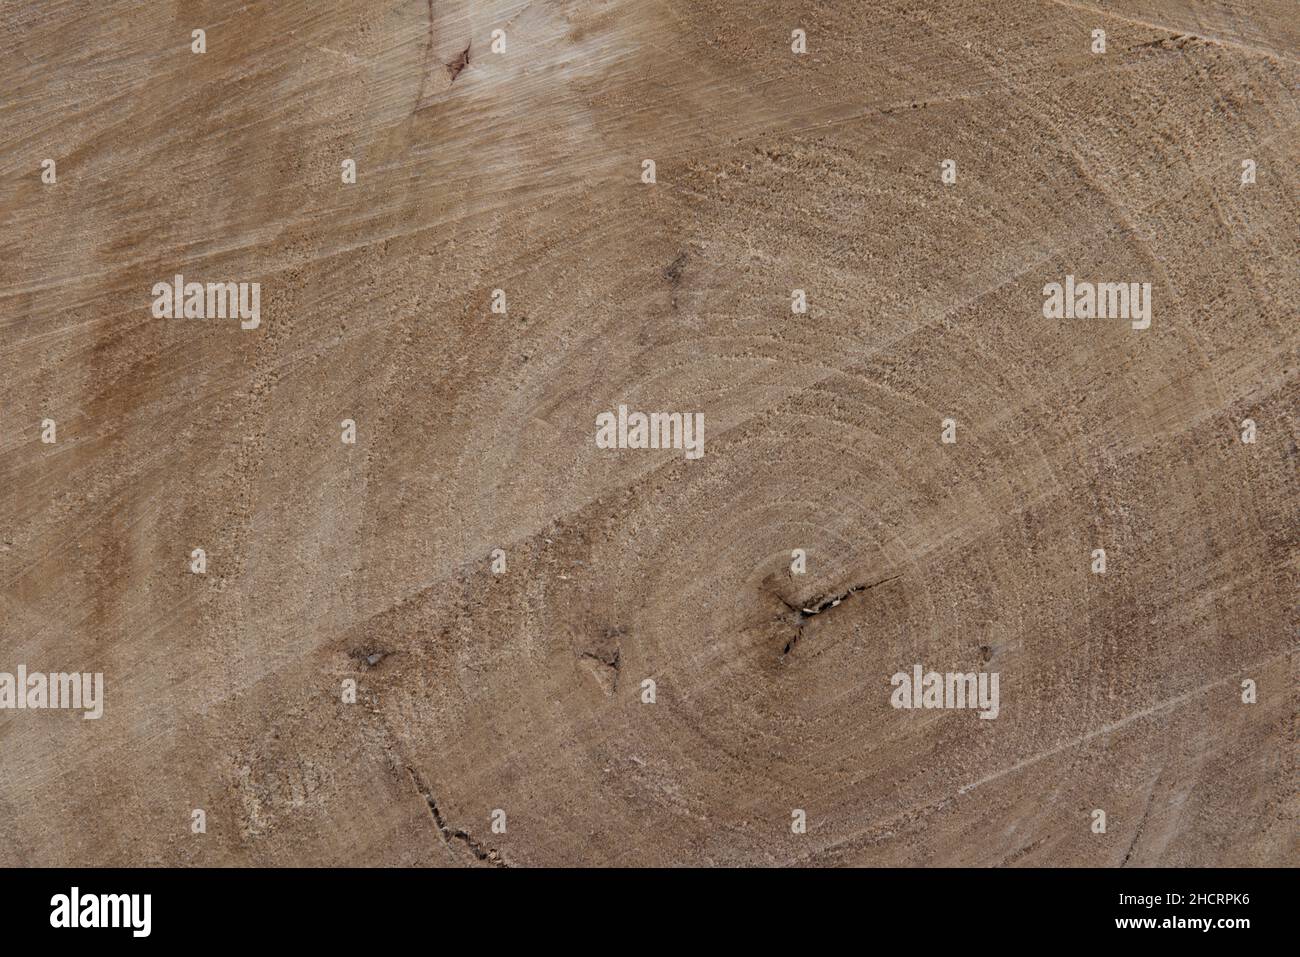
(363, 907)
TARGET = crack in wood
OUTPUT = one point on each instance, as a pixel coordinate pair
(823, 605)
(486, 854)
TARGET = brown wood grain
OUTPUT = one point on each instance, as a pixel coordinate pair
(521, 171)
